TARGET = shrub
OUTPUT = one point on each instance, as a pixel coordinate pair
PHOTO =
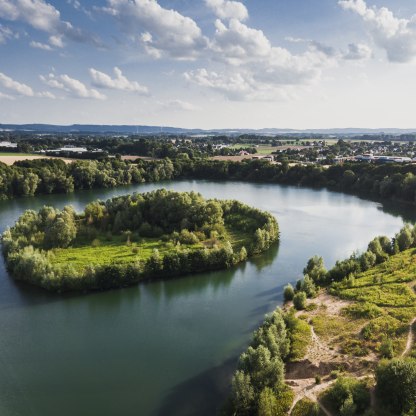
(396, 384)
(349, 395)
(386, 348)
(288, 293)
(299, 301)
(305, 407)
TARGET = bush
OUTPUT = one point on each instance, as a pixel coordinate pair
(349, 395)
(288, 293)
(396, 385)
(305, 407)
(299, 301)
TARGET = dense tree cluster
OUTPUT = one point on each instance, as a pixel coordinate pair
(48, 176)
(177, 218)
(54, 176)
(258, 385)
(372, 181)
(396, 385)
(349, 396)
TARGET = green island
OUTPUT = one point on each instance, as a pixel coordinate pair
(343, 344)
(127, 239)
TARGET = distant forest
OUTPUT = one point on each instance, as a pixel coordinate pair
(47, 176)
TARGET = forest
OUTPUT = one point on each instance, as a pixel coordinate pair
(46, 176)
(126, 239)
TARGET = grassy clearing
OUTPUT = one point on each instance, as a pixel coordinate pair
(102, 251)
(385, 304)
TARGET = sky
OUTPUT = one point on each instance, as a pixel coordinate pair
(209, 63)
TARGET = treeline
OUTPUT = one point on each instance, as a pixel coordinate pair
(48, 176)
(54, 176)
(176, 218)
(388, 181)
(343, 273)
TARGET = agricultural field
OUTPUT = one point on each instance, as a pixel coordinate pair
(10, 158)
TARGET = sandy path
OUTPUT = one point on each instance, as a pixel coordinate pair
(309, 389)
(410, 339)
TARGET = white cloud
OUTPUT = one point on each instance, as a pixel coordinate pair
(120, 82)
(46, 94)
(358, 51)
(15, 86)
(72, 86)
(395, 35)
(6, 34)
(179, 105)
(159, 30)
(6, 96)
(239, 86)
(239, 43)
(235, 86)
(225, 9)
(40, 45)
(44, 17)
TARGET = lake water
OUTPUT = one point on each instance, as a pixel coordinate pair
(166, 347)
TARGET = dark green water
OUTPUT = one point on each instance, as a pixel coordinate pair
(164, 348)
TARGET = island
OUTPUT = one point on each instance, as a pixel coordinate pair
(127, 239)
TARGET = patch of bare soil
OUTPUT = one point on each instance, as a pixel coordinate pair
(9, 160)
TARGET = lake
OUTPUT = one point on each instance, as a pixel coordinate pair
(166, 347)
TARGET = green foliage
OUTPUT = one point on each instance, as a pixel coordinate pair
(363, 310)
(307, 285)
(387, 348)
(163, 231)
(258, 384)
(274, 404)
(396, 385)
(288, 293)
(349, 396)
(305, 407)
(316, 270)
(299, 300)
(300, 336)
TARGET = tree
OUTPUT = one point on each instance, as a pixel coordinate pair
(62, 231)
(396, 384)
(405, 238)
(242, 393)
(315, 269)
(288, 293)
(299, 300)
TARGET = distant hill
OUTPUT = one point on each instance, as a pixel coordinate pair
(143, 130)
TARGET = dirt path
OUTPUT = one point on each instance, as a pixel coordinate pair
(410, 339)
(309, 389)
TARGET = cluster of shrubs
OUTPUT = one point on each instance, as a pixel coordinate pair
(315, 274)
(181, 218)
(349, 396)
(306, 287)
(258, 386)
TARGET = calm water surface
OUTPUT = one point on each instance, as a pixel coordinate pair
(165, 348)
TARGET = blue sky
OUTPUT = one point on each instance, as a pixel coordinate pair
(209, 63)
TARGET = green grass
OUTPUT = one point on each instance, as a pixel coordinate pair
(103, 251)
(82, 253)
(300, 337)
(385, 298)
